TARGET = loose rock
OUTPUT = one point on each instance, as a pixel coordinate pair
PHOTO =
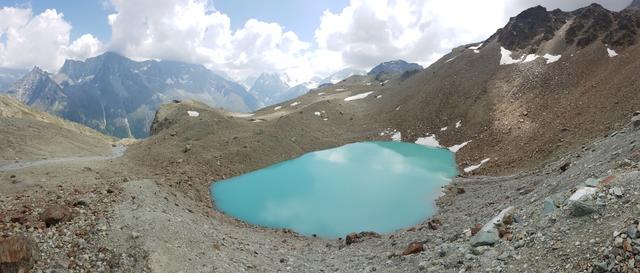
(55, 214)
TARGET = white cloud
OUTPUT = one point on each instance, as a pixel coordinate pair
(363, 34)
(192, 31)
(369, 32)
(84, 47)
(41, 40)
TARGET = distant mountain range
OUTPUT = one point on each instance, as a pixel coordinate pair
(9, 76)
(273, 88)
(119, 96)
(341, 75)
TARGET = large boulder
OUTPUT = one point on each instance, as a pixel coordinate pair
(489, 234)
(635, 121)
(17, 254)
(55, 214)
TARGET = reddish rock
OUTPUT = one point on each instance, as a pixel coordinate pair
(476, 229)
(627, 246)
(413, 248)
(55, 214)
(351, 238)
(356, 237)
(16, 254)
(19, 219)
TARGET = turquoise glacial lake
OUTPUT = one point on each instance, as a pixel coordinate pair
(370, 186)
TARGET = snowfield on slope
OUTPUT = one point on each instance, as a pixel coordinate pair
(359, 96)
(475, 167)
(429, 141)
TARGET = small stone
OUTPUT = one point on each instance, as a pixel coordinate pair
(635, 121)
(632, 232)
(626, 245)
(549, 206)
(592, 182)
(602, 267)
(81, 203)
(617, 191)
(618, 242)
(187, 148)
(19, 219)
(504, 256)
(518, 244)
(413, 248)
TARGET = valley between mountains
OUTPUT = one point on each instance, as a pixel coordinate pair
(543, 118)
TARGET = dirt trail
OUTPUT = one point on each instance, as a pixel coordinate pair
(116, 152)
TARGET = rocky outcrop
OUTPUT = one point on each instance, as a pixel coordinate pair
(530, 28)
(17, 254)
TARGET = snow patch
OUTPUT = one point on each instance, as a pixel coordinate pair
(551, 58)
(476, 48)
(530, 58)
(456, 148)
(582, 192)
(450, 59)
(277, 108)
(341, 89)
(378, 96)
(443, 129)
(397, 136)
(193, 114)
(320, 94)
(317, 113)
(458, 124)
(506, 58)
(295, 103)
(359, 96)
(429, 141)
(612, 53)
(475, 167)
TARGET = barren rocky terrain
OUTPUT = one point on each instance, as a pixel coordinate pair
(558, 194)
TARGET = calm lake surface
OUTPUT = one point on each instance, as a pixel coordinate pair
(370, 186)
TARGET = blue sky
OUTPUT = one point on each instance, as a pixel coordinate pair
(86, 16)
(248, 37)
(301, 17)
(90, 16)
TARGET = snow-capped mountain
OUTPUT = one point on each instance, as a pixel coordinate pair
(273, 88)
(341, 75)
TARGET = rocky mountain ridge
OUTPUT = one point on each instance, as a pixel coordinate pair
(118, 96)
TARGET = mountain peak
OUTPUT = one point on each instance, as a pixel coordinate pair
(38, 70)
(530, 27)
(634, 5)
(394, 67)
